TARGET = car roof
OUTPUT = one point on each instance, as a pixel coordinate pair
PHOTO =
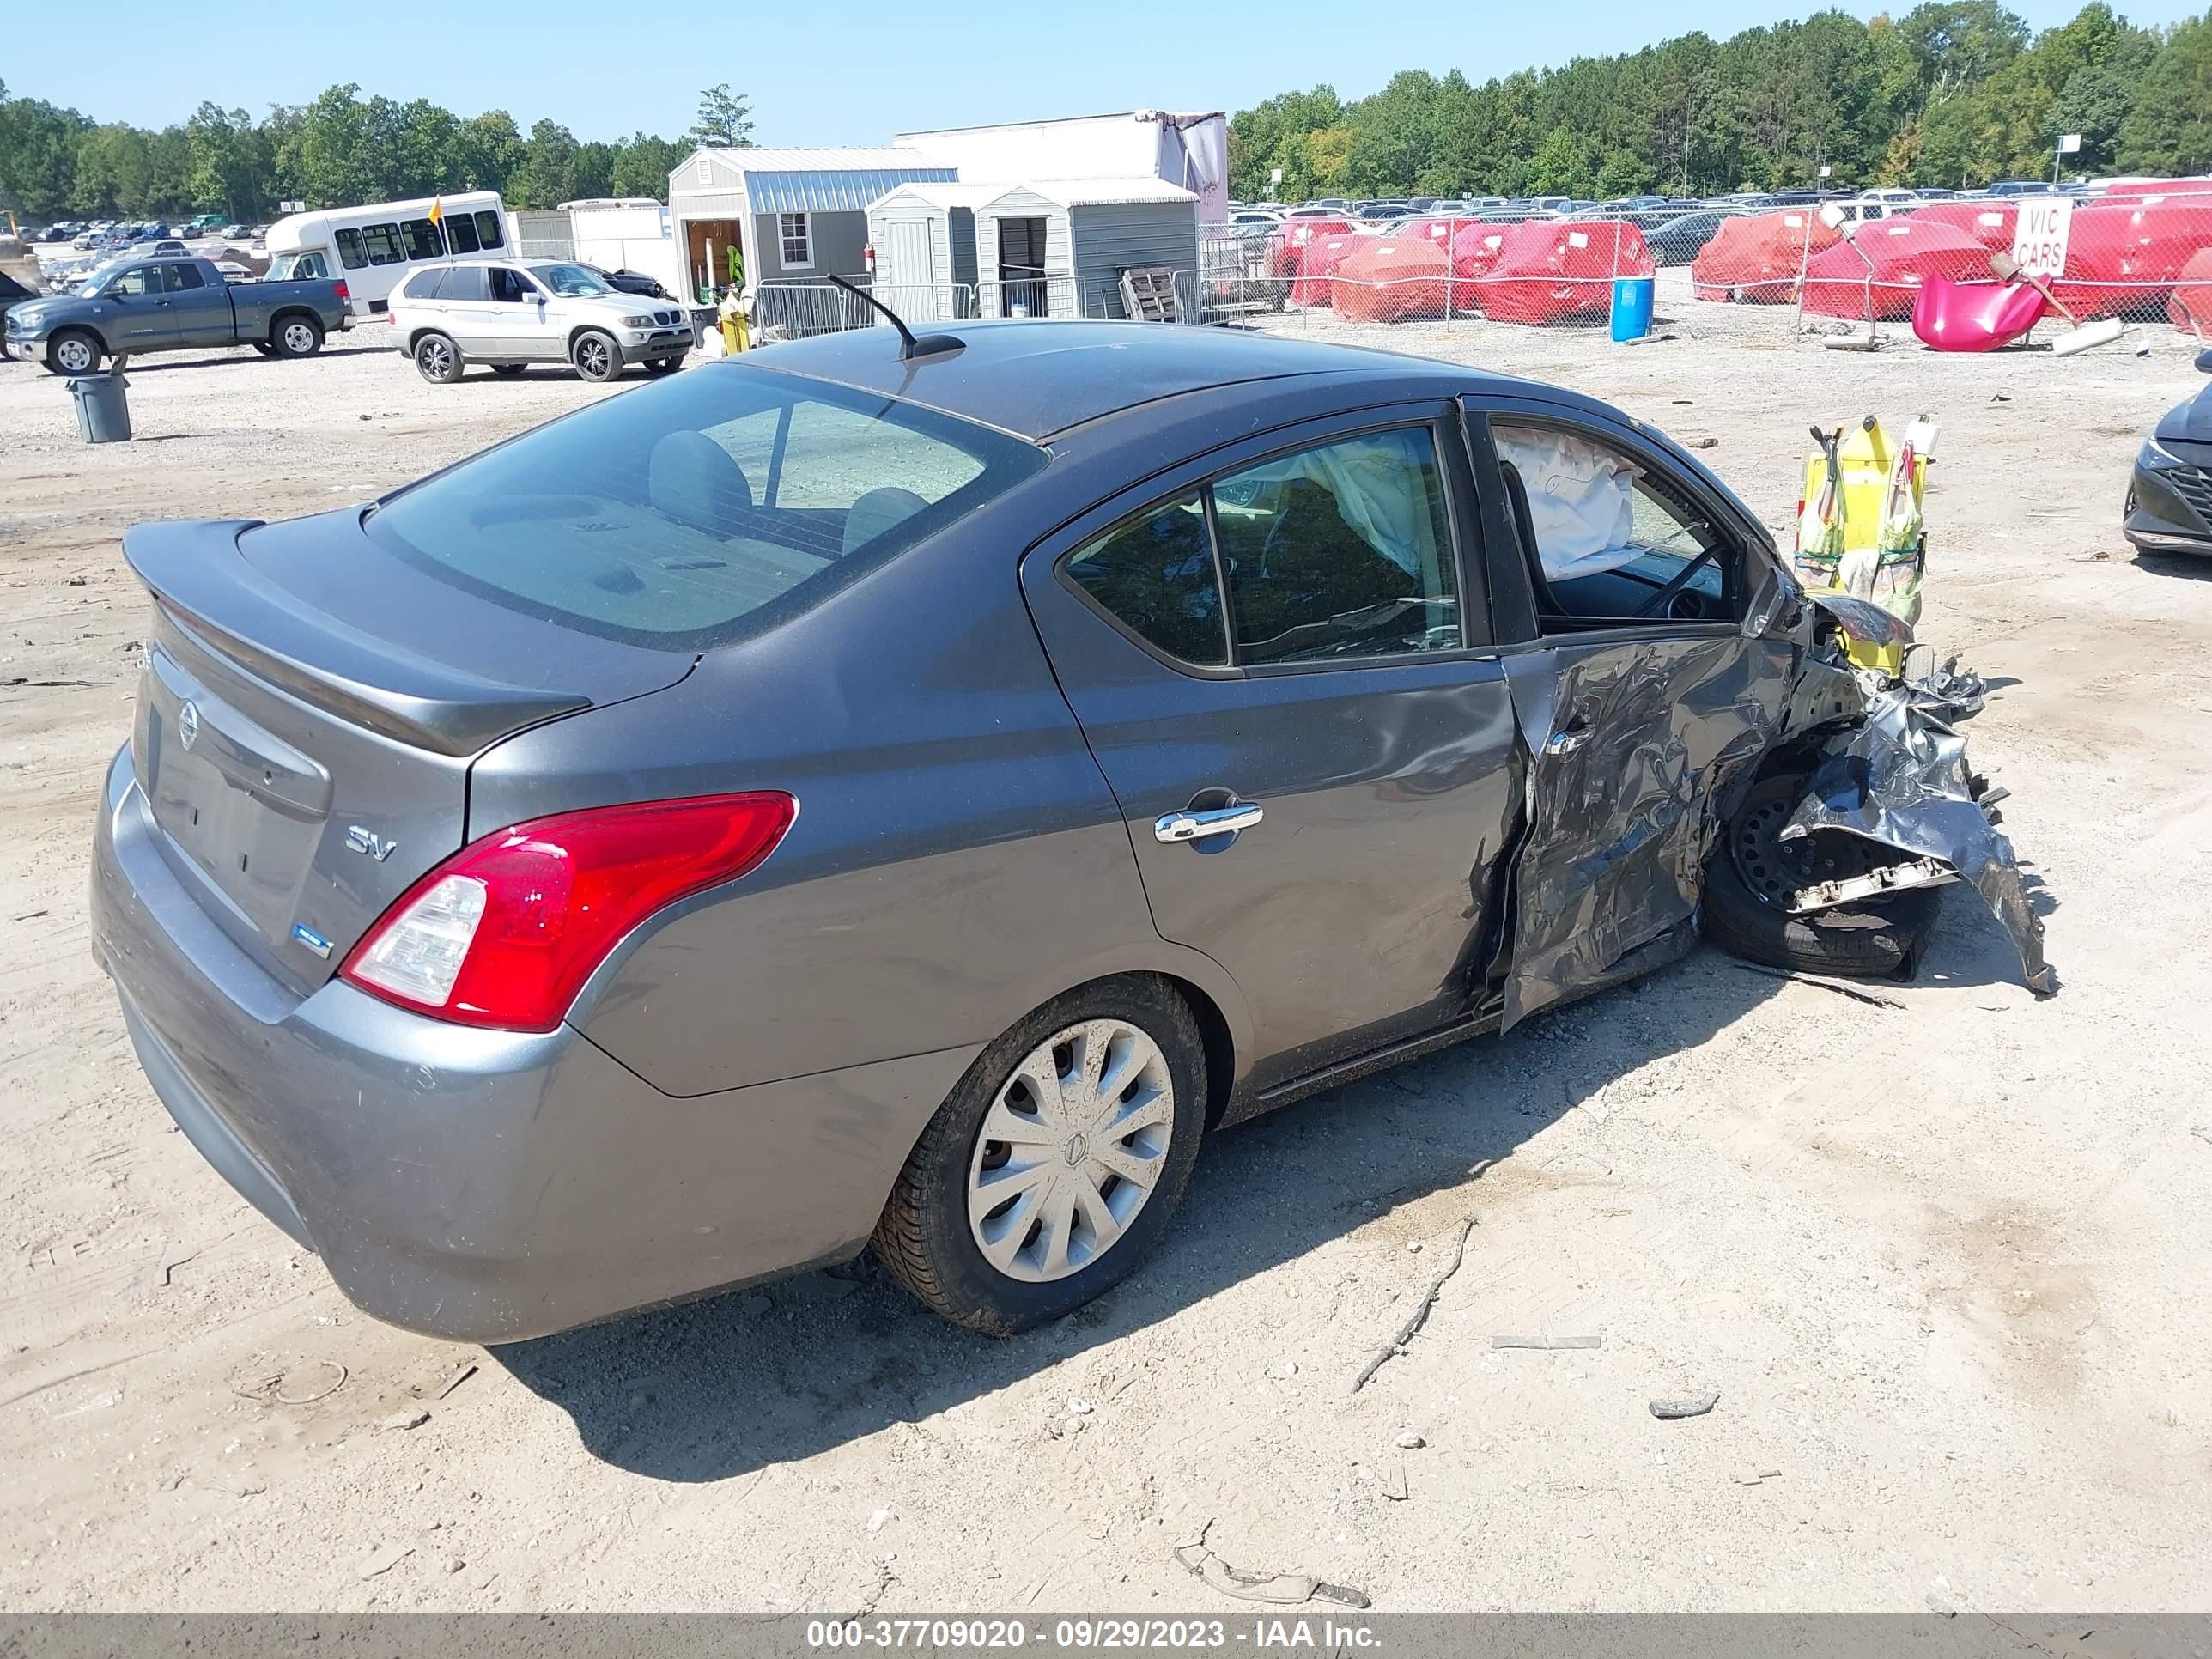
(1036, 377)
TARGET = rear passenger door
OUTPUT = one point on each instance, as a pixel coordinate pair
(1620, 578)
(464, 301)
(199, 311)
(1280, 658)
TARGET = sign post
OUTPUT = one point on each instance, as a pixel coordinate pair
(2069, 143)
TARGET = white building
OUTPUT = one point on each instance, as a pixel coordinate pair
(1190, 151)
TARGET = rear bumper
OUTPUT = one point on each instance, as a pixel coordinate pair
(482, 1186)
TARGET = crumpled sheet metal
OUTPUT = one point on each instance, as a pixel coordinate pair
(1620, 827)
(1901, 778)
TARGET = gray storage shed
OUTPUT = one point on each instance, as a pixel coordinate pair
(1058, 247)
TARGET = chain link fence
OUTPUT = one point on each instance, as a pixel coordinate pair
(2141, 253)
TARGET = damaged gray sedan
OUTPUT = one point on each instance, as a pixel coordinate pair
(913, 792)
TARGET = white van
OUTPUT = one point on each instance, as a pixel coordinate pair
(374, 247)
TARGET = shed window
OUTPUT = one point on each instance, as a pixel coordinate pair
(797, 239)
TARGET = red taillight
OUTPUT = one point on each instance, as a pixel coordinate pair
(505, 932)
(344, 292)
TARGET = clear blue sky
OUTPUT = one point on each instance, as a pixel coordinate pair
(849, 72)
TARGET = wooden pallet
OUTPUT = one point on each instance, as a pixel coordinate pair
(1148, 294)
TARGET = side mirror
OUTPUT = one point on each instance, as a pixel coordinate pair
(1774, 604)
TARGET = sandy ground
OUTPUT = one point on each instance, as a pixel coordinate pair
(1943, 1263)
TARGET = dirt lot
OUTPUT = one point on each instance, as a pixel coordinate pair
(1944, 1263)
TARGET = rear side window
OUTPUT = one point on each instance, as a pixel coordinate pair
(1342, 549)
(353, 254)
(464, 282)
(699, 510)
(423, 285)
(382, 242)
(489, 233)
(461, 234)
(421, 237)
(1338, 551)
(180, 277)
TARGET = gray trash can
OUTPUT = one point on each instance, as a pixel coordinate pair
(103, 412)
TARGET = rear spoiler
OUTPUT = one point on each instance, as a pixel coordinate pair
(198, 577)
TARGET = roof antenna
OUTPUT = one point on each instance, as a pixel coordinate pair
(929, 345)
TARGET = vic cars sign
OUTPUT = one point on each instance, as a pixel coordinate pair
(2038, 236)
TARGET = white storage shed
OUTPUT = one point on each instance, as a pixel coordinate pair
(924, 236)
(1057, 248)
(628, 233)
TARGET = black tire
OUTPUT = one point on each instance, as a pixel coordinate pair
(437, 359)
(924, 1235)
(73, 342)
(295, 335)
(1868, 939)
(660, 365)
(264, 348)
(596, 357)
(507, 369)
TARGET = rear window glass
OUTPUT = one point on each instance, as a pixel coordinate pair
(707, 508)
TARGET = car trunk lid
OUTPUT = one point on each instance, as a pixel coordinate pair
(308, 712)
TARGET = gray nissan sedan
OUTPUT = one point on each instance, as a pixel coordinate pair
(862, 793)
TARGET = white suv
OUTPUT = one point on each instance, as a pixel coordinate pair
(510, 315)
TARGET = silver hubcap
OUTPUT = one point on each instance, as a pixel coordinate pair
(593, 356)
(299, 337)
(1070, 1151)
(73, 354)
(436, 357)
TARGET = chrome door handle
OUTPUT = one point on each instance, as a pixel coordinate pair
(1216, 821)
(1568, 740)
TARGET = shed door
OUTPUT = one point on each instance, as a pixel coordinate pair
(906, 269)
(1021, 267)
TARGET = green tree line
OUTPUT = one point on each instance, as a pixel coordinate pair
(1956, 93)
(338, 150)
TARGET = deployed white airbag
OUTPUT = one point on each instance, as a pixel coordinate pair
(1582, 500)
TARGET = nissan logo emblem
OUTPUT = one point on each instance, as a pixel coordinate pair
(188, 724)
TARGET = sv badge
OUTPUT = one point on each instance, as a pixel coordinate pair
(359, 839)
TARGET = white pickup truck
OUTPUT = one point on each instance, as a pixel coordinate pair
(509, 314)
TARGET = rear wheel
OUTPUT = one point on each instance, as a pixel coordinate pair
(596, 355)
(1754, 871)
(1055, 1164)
(73, 352)
(438, 359)
(297, 336)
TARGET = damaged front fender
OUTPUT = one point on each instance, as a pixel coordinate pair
(1900, 778)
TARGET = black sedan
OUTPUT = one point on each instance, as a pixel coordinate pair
(2169, 506)
(627, 281)
(1678, 240)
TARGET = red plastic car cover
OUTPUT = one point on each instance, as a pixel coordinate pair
(1317, 263)
(1551, 270)
(1758, 257)
(2190, 305)
(1990, 222)
(1294, 236)
(1903, 253)
(2124, 257)
(1390, 279)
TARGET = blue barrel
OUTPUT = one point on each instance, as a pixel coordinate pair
(1632, 307)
